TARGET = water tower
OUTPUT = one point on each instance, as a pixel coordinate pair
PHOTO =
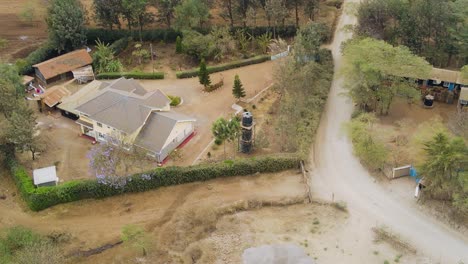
(247, 137)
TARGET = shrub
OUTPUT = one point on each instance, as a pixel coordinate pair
(135, 75)
(43, 197)
(335, 3)
(120, 45)
(225, 66)
(110, 36)
(41, 54)
(175, 100)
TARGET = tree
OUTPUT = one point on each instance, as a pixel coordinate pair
(198, 46)
(224, 130)
(114, 158)
(242, 8)
(190, 14)
(104, 60)
(107, 12)
(223, 42)
(179, 48)
(307, 42)
(166, 10)
(21, 128)
(376, 72)
(229, 11)
(10, 74)
(295, 4)
(7, 97)
(311, 7)
(136, 237)
(65, 21)
(445, 169)
(275, 10)
(263, 41)
(203, 74)
(238, 90)
(141, 53)
(136, 14)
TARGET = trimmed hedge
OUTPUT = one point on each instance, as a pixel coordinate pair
(135, 75)
(226, 66)
(43, 197)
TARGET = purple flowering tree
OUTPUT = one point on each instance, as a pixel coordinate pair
(111, 163)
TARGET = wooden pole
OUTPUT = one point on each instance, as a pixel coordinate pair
(152, 60)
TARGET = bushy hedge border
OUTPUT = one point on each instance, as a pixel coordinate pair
(43, 197)
(135, 75)
(170, 35)
(110, 36)
(226, 66)
(44, 52)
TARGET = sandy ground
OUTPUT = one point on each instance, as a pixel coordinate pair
(22, 38)
(207, 107)
(65, 148)
(339, 174)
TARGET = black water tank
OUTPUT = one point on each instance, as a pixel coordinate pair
(246, 134)
(247, 119)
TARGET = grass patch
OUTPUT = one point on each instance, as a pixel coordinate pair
(383, 234)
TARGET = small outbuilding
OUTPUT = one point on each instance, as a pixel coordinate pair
(45, 177)
(61, 67)
(463, 100)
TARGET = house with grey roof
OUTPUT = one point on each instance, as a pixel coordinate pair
(123, 111)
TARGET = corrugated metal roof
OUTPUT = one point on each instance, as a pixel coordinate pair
(54, 95)
(65, 63)
(45, 175)
(447, 76)
(158, 128)
(123, 105)
(82, 96)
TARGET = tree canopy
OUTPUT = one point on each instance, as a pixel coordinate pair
(190, 14)
(65, 21)
(375, 72)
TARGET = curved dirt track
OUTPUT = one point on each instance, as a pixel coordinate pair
(339, 174)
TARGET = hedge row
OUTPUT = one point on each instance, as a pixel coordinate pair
(226, 66)
(110, 36)
(135, 75)
(43, 197)
(170, 35)
(44, 52)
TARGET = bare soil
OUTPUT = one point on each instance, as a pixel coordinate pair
(22, 37)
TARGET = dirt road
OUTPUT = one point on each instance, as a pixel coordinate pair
(339, 174)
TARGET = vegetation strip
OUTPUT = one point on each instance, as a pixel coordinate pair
(134, 75)
(43, 197)
(223, 67)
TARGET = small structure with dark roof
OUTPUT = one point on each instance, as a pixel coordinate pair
(61, 67)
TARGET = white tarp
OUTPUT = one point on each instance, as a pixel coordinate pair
(45, 175)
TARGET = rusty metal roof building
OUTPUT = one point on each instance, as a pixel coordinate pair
(64, 63)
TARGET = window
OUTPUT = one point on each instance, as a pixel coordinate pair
(99, 124)
(101, 136)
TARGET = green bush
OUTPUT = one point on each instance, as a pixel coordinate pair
(110, 36)
(43, 197)
(222, 67)
(120, 45)
(135, 75)
(41, 54)
(170, 35)
(175, 100)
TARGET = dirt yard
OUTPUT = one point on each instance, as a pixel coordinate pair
(22, 37)
(209, 222)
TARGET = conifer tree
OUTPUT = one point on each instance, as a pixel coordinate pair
(178, 45)
(238, 90)
(203, 74)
